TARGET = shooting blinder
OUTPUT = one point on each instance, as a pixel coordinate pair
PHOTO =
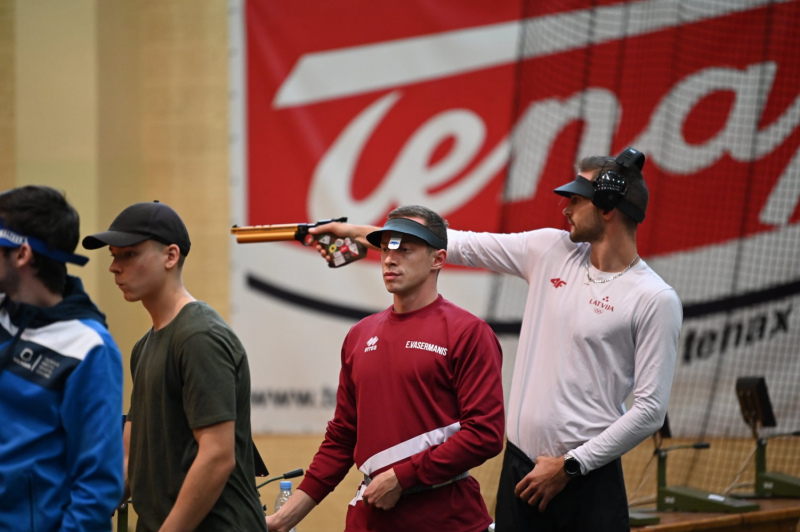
(610, 187)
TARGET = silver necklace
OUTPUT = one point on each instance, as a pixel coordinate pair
(601, 281)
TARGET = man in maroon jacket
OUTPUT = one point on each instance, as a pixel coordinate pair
(419, 403)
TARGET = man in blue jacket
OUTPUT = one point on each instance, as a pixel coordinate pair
(60, 376)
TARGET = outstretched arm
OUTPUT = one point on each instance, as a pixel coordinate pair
(344, 230)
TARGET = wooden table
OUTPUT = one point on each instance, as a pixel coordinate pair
(775, 515)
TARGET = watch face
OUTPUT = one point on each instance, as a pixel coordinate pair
(571, 466)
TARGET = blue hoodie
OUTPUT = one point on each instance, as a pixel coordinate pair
(60, 416)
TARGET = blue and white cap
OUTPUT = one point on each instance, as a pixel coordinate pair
(13, 239)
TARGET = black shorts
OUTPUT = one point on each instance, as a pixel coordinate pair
(592, 502)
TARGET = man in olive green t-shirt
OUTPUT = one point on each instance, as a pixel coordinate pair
(188, 453)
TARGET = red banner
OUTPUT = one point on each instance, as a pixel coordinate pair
(357, 107)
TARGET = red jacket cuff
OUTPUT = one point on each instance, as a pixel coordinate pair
(314, 488)
(406, 475)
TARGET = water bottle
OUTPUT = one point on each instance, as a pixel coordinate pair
(283, 496)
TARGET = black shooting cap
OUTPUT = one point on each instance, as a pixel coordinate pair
(608, 190)
(140, 222)
(407, 226)
(579, 187)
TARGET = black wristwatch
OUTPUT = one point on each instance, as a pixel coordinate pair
(571, 465)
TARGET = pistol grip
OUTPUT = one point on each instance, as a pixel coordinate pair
(341, 251)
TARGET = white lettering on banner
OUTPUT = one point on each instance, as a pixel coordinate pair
(740, 138)
(409, 178)
(663, 134)
(736, 138)
(340, 73)
(600, 110)
(737, 331)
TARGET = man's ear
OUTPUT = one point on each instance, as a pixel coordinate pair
(22, 256)
(173, 256)
(439, 258)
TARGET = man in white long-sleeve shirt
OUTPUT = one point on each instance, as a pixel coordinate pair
(599, 323)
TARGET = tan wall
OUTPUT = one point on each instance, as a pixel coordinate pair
(120, 102)
(7, 100)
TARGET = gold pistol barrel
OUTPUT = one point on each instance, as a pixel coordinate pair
(264, 233)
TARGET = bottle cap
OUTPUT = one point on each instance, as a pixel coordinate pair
(286, 484)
